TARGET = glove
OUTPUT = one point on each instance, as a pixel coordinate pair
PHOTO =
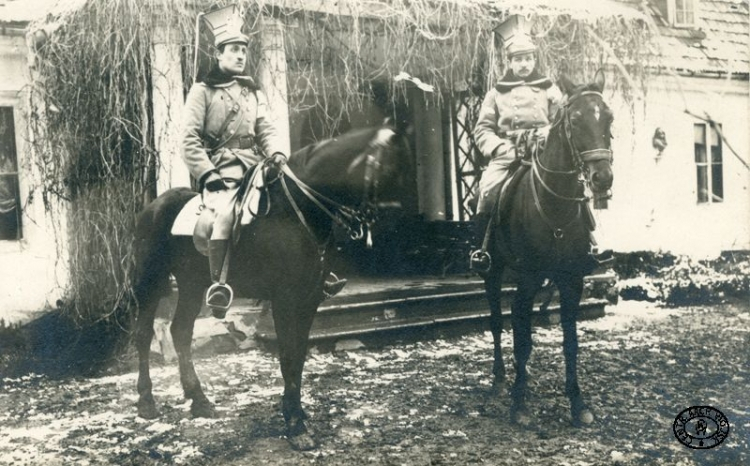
(275, 162)
(214, 183)
(278, 160)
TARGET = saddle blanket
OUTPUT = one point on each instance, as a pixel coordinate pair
(184, 224)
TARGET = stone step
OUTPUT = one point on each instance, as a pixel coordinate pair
(452, 304)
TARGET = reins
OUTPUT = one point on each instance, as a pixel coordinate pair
(580, 158)
(352, 220)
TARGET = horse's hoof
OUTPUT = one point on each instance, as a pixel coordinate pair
(147, 411)
(584, 418)
(298, 435)
(520, 417)
(303, 442)
(499, 386)
(203, 409)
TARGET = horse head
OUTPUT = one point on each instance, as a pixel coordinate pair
(355, 172)
(357, 166)
(587, 122)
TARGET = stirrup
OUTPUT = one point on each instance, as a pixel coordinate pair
(219, 309)
(332, 288)
(602, 258)
(480, 261)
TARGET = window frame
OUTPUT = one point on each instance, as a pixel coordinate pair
(12, 100)
(711, 165)
(672, 9)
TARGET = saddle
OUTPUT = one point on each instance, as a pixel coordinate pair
(510, 186)
(247, 200)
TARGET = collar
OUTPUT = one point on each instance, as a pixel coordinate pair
(511, 81)
(216, 78)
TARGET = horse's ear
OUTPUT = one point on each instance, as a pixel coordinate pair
(566, 85)
(599, 80)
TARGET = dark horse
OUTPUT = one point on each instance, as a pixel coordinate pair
(545, 232)
(278, 257)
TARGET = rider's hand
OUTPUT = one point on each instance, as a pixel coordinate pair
(214, 183)
(278, 160)
(275, 163)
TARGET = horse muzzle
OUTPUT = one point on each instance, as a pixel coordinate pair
(599, 163)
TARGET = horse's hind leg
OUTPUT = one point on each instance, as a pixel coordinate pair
(571, 289)
(292, 322)
(493, 289)
(188, 308)
(528, 284)
(143, 335)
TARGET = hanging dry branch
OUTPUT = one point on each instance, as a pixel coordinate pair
(93, 136)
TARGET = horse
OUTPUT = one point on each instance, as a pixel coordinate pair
(545, 235)
(280, 256)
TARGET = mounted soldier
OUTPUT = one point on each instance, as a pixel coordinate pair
(518, 107)
(228, 131)
(513, 122)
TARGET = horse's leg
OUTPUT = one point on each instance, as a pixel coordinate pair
(292, 321)
(571, 288)
(144, 333)
(527, 286)
(183, 323)
(493, 289)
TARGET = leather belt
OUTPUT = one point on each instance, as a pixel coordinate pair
(244, 142)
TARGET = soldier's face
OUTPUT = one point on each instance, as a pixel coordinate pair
(232, 58)
(522, 64)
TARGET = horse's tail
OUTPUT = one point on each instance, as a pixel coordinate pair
(152, 248)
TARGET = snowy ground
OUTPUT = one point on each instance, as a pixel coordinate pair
(423, 403)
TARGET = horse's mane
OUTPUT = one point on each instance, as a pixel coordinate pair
(352, 142)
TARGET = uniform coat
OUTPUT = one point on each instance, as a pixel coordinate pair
(230, 153)
(512, 106)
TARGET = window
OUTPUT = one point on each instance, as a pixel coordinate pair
(676, 12)
(708, 163)
(10, 215)
(684, 13)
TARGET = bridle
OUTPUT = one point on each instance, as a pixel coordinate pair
(355, 221)
(580, 159)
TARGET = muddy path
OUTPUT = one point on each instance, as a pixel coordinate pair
(414, 403)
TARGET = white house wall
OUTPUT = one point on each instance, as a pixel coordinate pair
(655, 201)
(30, 272)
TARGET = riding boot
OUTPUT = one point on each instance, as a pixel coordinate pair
(599, 258)
(219, 295)
(333, 285)
(480, 260)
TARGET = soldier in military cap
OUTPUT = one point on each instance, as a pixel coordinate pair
(226, 118)
(522, 100)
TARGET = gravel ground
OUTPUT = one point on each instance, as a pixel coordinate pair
(415, 403)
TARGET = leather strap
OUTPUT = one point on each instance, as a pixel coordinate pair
(236, 109)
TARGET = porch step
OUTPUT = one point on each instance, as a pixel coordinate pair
(454, 304)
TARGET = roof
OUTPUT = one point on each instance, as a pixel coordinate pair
(720, 42)
(23, 12)
(575, 8)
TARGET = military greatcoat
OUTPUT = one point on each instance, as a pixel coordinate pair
(223, 123)
(512, 106)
